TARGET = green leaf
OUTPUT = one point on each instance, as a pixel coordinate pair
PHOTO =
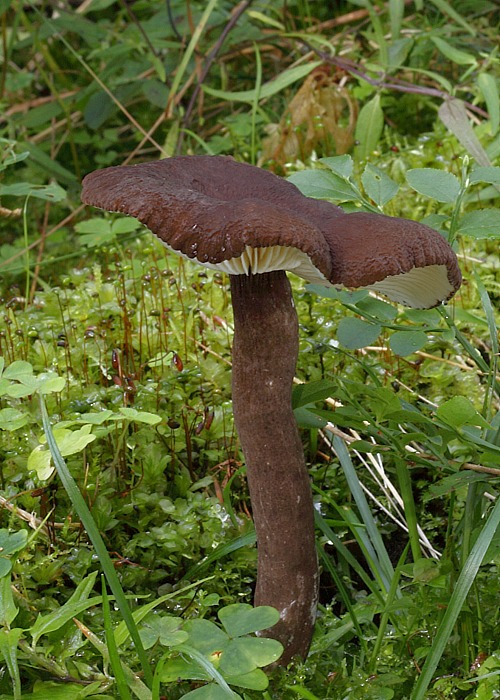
(163, 629)
(45, 624)
(51, 193)
(489, 88)
(323, 184)
(156, 92)
(311, 392)
(8, 609)
(240, 618)
(18, 370)
(482, 223)
(378, 186)
(377, 308)
(245, 654)
(341, 165)
(453, 114)
(51, 385)
(286, 78)
(140, 416)
(433, 183)
(9, 641)
(369, 128)
(461, 58)
(72, 441)
(12, 419)
(354, 333)
(488, 174)
(211, 691)
(40, 461)
(125, 224)
(98, 109)
(12, 542)
(254, 680)
(205, 636)
(406, 342)
(460, 411)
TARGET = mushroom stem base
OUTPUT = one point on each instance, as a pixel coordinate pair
(265, 353)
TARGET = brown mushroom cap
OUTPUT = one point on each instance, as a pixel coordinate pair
(240, 219)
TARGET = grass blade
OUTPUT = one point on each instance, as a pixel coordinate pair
(386, 568)
(464, 583)
(92, 530)
(114, 658)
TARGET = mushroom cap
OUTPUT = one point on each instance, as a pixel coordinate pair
(241, 219)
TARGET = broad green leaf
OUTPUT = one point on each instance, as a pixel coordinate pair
(163, 629)
(72, 441)
(140, 416)
(460, 411)
(461, 58)
(489, 174)
(254, 680)
(381, 310)
(240, 618)
(40, 461)
(354, 333)
(182, 668)
(45, 624)
(324, 184)
(98, 109)
(482, 223)
(9, 641)
(18, 370)
(12, 542)
(44, 690)
(211, 691)
(51, 385)
(489, 88)
(406, 342)
(398, 51)
(311, 392)
(369, 127)
(307, 418)
(378, 185)
(94, 226)
(125, 224)
(51, 193)
(286, 78)
(12, 419)
(244, 654)
(155, 91)
(433, 183)
(8, 609)
(5, 567)
(205, 636)
(341, 165)
(345, 296)
(454, 116)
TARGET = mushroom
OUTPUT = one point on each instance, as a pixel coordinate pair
(254, 225)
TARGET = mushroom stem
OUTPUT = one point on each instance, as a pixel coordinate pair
(265, 350)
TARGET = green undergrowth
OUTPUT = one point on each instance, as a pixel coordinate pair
(127, 557)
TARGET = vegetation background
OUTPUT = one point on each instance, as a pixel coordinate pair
(115, 355)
